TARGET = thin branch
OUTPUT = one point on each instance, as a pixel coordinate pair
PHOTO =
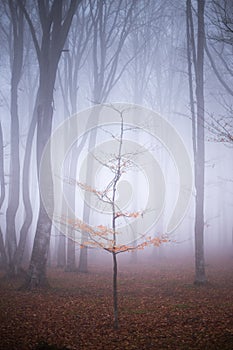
(218, 75)
(32, 29)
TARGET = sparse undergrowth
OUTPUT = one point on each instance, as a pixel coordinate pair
(160, 308)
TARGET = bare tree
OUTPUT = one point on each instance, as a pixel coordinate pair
(73, 60)
(218, 48)
(104, 237)
(113, 21)
(17, 21)
(3, 255)
(55, 20)
(195, 53)
(29, 83)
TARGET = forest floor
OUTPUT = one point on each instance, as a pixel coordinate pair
(159, 308)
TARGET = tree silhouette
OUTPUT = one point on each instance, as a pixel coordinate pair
(109, 238)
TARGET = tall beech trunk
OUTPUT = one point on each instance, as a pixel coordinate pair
(83, 259)
(3, 256)
(18, 257)
(37, 268)
(55, 25)
(200, 277)
(70, 263)
(13, 201)
(198, 120)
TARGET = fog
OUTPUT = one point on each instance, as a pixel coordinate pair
(116, 187)
(138, 55)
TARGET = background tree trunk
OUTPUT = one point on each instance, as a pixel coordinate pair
(200, 277)
(198, 129)
(55, 26)
(18, 257)
(3, 256)
(13, 201)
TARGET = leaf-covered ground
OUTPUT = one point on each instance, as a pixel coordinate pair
(159, 308)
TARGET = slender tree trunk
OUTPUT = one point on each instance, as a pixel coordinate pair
(61, 251)
(3, 255)
(26, 193)
(61, 240)
(2, 175)
(55, 25)
(114, 217)
(200, 277)
(13, 202)
(232, 240)
(36, 276)
(115, 294)
(71, 264)
(37, 268)
(83, 261)
(198, 130)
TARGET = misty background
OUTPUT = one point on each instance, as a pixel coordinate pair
(59, 58)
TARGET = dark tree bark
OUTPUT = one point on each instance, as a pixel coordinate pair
(198, 129)
(115, 291)
(55, 26)
(13, 202)
(3, 256)
(18, 257)
(200, 277)
(32, 80)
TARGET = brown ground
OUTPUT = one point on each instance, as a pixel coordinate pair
(159, 308)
